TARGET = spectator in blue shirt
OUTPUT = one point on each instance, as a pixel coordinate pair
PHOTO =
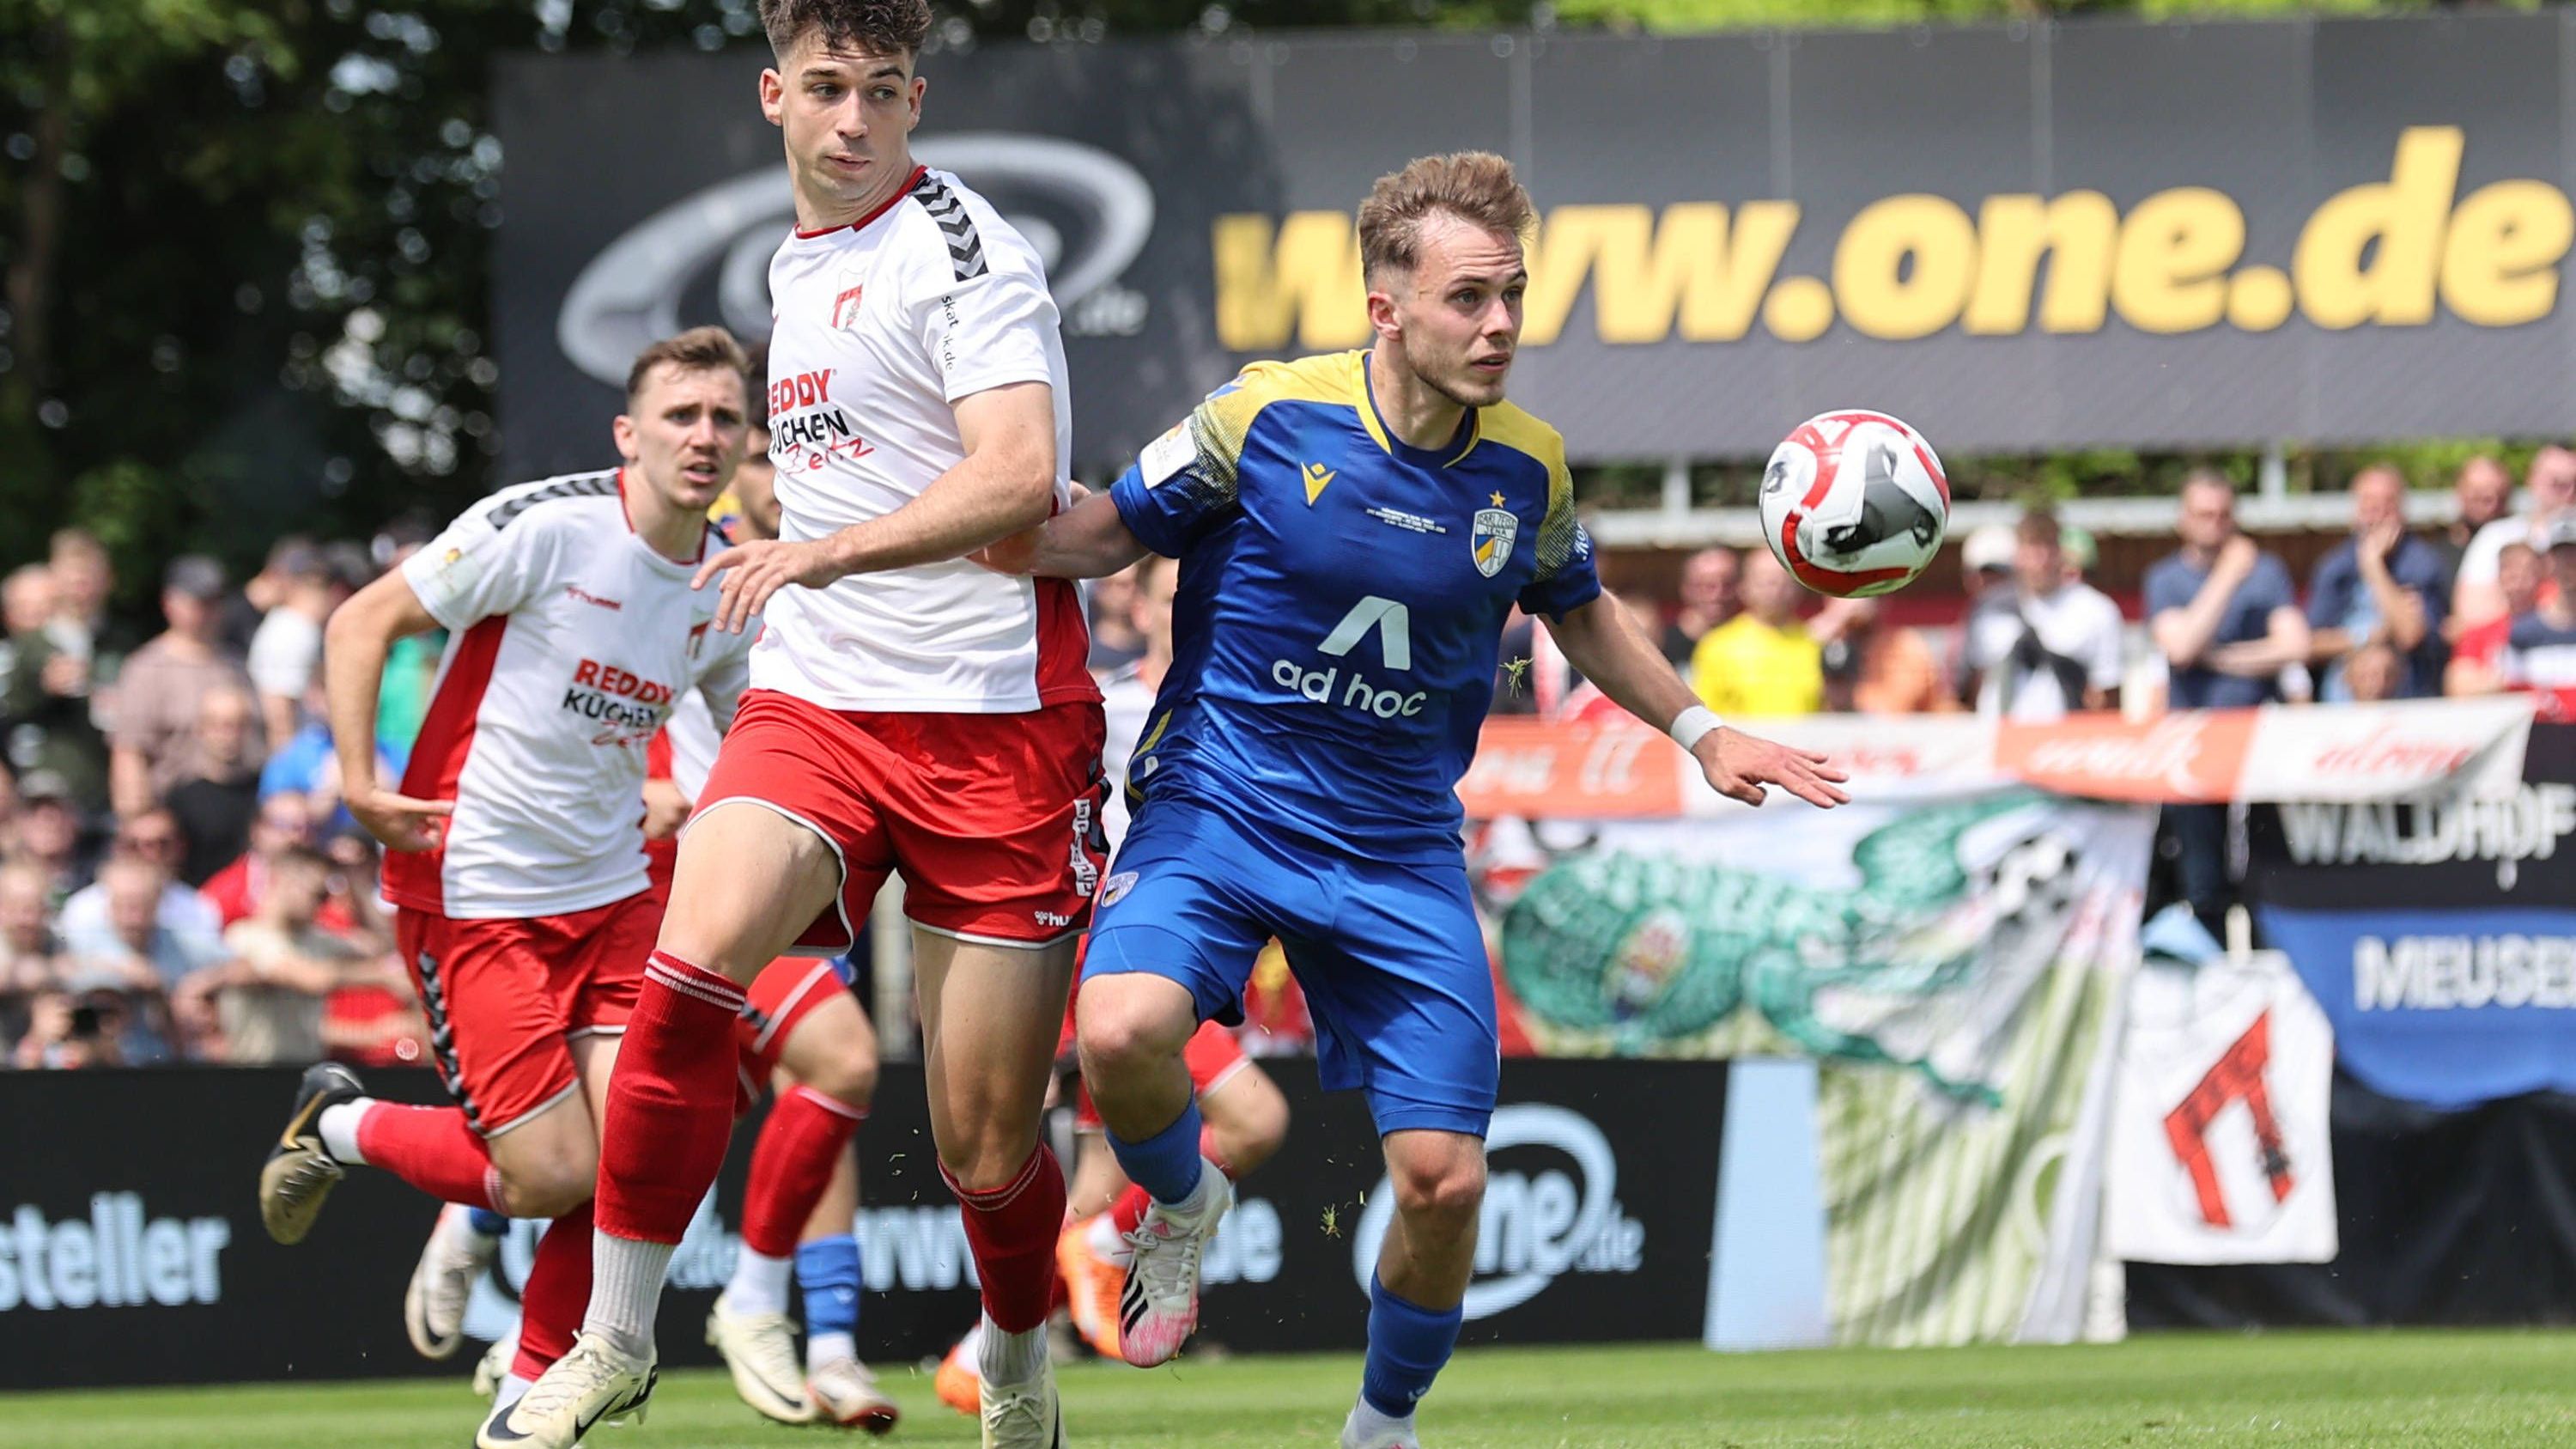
(2222, 611)
(2224, 616)
(2382, 585)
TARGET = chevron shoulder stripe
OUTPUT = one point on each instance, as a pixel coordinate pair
(965, 248)
(578, 485)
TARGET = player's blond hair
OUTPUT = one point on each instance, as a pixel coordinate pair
(700, 349)
(1477, 187)
(880, 27)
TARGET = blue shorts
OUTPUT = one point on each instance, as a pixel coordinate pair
(1391, 957)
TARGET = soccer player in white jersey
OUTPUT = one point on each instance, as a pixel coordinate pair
(910, 711)
(516, 857)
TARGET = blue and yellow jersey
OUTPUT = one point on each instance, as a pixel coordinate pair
(1341, 601)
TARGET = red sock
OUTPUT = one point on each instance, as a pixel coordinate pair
(557, 1290)
(1011, 1229)
(804, 1139)
(1129, 1210)
(432, 1149)
(670, 1102)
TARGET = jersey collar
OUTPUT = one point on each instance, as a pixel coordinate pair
(1449, 455)
(879, 210)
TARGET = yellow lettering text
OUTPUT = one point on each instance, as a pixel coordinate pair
(2500, 260)
(2398, 222)
(1647, 277)
(2075, 232)
(1904, 265)
(2175, 249)
(1303, 277)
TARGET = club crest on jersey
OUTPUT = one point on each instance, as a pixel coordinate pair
(845, 307)
(1491, 539)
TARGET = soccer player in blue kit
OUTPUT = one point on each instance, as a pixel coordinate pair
(1353, 531)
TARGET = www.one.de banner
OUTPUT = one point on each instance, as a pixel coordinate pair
(1954, 960)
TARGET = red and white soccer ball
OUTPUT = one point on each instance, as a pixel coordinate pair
(1854, 503)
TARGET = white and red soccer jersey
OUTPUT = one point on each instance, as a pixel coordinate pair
(882, 327)
(569, 642)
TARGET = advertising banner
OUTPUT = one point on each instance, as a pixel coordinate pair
(2110, 234)
(1955, 965)
(2439, 933)
(131, 1250)
(2220, 1150)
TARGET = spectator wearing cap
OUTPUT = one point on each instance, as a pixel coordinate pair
(2053, 644)
(215, 804)
(249, 606)
(2540, 647)
(286, 650)
(45, 837)
(45, 692)
(1711, 594)
(154, 744)
(1986, 575)
(2381, 585)
(2477, 657)
(2549, 486)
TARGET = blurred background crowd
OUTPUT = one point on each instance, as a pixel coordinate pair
(178, 881)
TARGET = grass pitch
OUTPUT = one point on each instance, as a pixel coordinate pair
(2487, 1390)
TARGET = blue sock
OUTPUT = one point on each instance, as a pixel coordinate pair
(1167, 1163)
(487, 1222)
(827, 1273)
(1407, 1345)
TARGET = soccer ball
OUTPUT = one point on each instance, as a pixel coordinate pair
(1854, 503)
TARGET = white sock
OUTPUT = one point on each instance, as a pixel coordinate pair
(1368, 1424)
(1106, 1241)
(759, 1283)
(822, 1348)
(339, 1129)
(625, 1289)
(1010, 1358)
(513, 1389)
(1197, 1201)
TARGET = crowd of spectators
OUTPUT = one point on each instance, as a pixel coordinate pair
(177, 881)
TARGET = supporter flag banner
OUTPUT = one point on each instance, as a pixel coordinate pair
(2118, 234)
(1955, 962)
(2439, 933)
(2219, 1145)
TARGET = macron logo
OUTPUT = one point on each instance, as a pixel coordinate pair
(1393, 621)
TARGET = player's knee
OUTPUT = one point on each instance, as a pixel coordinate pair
(1124, 1023)
(847, 1074)
(547, 1190)
(986, 1154)
(1445, 1188)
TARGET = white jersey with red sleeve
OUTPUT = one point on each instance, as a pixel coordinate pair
(569, 641)
(882, 326)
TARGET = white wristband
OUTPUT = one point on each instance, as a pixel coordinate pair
(1690, 724)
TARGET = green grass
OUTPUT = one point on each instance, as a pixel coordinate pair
(2487, 1390)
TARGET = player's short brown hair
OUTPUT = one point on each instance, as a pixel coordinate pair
(1474, 186)
(700, 349)
(884, 27)
(2038, 526)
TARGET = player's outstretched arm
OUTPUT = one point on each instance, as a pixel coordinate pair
(1087, 541)
(361, 633)
(1004, 484)
(1606, 646)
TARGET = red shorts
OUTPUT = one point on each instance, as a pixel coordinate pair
(1214, 1056)
(781, 996)
(993, 819)
(506, 998)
